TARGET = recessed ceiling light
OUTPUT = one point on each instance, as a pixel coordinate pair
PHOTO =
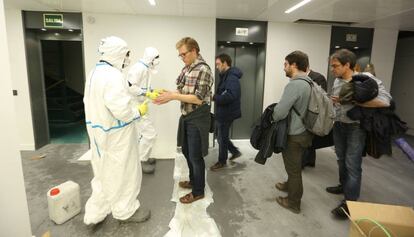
(228, 42)
(242, 47)
(337, 47)
(152, 2)
(251, 43)
(297, 6)
(222, 46)
(57, 34)
(43, 29)
(70, 30)
(356, 47)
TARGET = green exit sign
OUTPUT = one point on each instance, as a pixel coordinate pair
(53, 20)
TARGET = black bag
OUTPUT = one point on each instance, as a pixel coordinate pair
(212, 123)
(261, 127)
(268, 136)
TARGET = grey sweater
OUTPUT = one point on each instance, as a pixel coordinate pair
(296, 93)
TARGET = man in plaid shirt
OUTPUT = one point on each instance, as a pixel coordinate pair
(194, 92)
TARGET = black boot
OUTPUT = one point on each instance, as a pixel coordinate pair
(341, 211)
(335, 190)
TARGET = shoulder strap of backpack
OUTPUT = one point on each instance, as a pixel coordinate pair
(297, 112)
(308, 81)
(311, 85)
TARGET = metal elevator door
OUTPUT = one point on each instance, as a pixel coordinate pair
(37, 89)
(250, 60)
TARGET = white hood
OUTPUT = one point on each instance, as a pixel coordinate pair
(151, 57)
(113, 50)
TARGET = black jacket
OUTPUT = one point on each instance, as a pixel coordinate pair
(380, 124)
(319, 79)
(227, 96)
(201, 119)
(361, 89)
(269, 137)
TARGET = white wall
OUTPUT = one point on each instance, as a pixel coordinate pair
(14, 218)
(160, 32)
(17, 55)
(282, 39)
(383, 54)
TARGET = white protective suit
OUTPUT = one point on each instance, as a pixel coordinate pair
(109, 116)
(139, 78)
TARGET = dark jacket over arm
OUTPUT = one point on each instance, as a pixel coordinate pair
(199, 118)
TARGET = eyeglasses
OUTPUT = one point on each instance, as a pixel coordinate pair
(182, 55)
(335, 65)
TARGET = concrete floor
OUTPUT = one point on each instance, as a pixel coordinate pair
(244, 194)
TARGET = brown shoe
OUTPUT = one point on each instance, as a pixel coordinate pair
(284, 202)
(282, 186)
(185, 184)
(217, 166)
(189, 198)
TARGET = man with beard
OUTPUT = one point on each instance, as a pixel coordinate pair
(295, 95)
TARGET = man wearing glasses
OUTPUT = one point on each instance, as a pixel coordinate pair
(349, 137)
(194, 92)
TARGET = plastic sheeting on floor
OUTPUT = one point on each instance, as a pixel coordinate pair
(86, 156)
(190, 220)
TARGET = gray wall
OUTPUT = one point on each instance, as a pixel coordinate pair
(403, 82)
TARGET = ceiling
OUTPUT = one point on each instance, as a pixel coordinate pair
(394, 14)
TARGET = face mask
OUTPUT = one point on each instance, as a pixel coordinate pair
(156, 62)
(126, 63)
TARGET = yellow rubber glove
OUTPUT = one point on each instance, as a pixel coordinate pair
(158, 90)
(152, 95)
(143, 108)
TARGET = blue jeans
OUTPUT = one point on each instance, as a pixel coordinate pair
(225, 145)
(192, 152)
(349, 140)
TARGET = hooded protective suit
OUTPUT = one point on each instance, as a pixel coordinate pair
(109, 116)
(139, 81)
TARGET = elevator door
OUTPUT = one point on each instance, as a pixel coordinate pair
(37, 88)
(246, 59)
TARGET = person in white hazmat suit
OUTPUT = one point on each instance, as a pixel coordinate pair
(110, 118)
(139, 82)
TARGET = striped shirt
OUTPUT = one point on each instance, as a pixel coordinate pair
(195, 79)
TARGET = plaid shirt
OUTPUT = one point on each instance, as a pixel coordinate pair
(195, 80)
